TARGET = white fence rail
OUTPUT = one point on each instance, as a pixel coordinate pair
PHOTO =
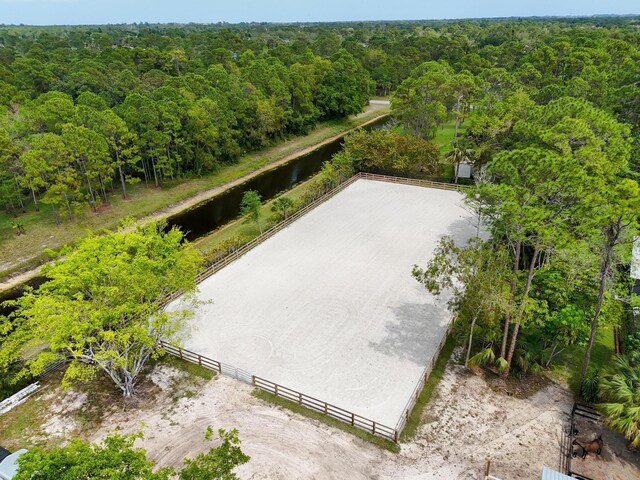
(17, 398)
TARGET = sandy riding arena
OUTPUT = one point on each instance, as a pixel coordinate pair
(328, 306)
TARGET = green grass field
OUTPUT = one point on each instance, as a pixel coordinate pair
(566, 368)
(444, 137)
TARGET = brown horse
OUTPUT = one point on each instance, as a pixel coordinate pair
(594, 446)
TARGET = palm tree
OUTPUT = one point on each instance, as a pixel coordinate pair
(457, 155)
(282, 206)
(621, 390)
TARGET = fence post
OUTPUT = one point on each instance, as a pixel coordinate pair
(253, 380)
(352, 419)
(325, 408)
(276, 389)
(180, 352)
(299, 398)
(374, 428)
(199, 359)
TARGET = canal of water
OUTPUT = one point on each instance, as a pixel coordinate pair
(215, 212)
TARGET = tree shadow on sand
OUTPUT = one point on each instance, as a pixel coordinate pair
(415, 333)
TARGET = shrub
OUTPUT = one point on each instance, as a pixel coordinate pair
(591, 386)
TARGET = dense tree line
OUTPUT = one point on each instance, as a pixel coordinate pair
(560, 207)
(89, 107)
(551, 115)
(77, 120)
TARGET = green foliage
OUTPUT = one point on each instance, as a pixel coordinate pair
(227, 246)
(155, 112)
(101, 306)
(567, 326)
(18, 226)
(282, 207)
(217, 463)
(632, 347)
(501, 365)
(250, 207)
(345, 87)
(340, 168)
(8, 384)
(483, 358)
(116, 458)
(620, 389)
(477, 276)
(591, 385)
(420, 101)
(545, 194)
(388, 152)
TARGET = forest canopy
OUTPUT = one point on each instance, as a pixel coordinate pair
(547, 111)
(84, 109)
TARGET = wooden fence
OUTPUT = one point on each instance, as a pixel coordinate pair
(410, 181)
(325, 408)
(421, 383)
(312, 403)
(223, 262)
(300, 398)
(231, 257)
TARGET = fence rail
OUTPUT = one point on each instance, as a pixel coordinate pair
(421, 383)
(214, 267)
(355, 420)
(233, 256)
(410, 181)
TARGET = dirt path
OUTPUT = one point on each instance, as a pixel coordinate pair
(19, 278)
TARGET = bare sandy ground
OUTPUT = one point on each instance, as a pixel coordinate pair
(465, 425)
(328, 306)
(469, 420)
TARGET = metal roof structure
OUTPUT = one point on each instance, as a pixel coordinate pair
(548, 474)
(9, 466)
(635, 259)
